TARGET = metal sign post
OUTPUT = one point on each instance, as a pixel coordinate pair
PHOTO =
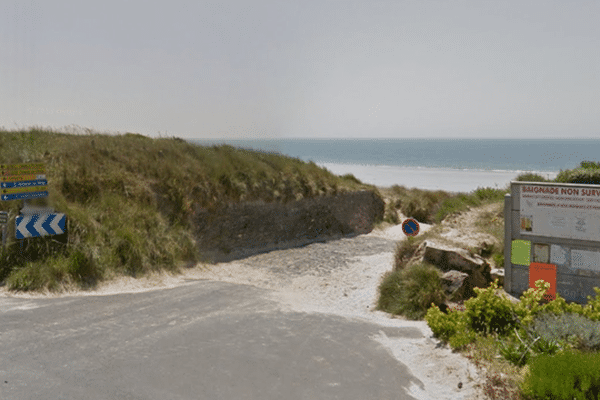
(3, 224)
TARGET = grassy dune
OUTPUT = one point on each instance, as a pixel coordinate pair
(129, 199)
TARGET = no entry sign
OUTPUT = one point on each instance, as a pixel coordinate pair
(410, 227)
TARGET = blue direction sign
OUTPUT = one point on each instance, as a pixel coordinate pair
(39, 225)
(19, 196)
(37, 182)
(410, 227)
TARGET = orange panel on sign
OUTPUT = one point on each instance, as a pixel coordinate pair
(547, 272)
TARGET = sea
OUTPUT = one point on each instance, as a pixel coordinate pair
(452, 165)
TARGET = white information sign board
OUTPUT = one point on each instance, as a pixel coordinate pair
(582, 259)
(558, 255)
(554, 211)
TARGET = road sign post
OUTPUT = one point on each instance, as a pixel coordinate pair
(3, 224)
(26, 182)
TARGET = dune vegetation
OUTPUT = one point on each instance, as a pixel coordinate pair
(129, 198)
(536, 338)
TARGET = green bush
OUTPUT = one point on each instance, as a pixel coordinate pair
(592, 308)
(489, 194)
(567, 375)
(529, 177)
(590, 165)
(462, 338)
(444, 326)
(579, 175)
(489, 313)
(410, 291)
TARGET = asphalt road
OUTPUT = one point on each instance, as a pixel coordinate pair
(204, 340)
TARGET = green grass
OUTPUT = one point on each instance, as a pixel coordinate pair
(410, 291)
(129, 200)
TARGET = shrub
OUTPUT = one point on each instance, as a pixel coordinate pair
(529, 306)
(404, 250)
(590, 165)
(579, 175)
(462, 338)
(567, 375)
(529, 177)
(26, 278)
(488, 194)
(592, 308)
(410, 291)
(444, 326)
(413, 208)
(577, 328)
(559, 306)
(519, 348)
(515, 351)
(489, 313)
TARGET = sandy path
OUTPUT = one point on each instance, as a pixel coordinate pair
(340, 278)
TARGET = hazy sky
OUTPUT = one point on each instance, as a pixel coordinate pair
(314, 69)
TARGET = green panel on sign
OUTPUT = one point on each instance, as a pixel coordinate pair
(520, 252)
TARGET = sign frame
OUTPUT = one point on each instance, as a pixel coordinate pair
(559, 224)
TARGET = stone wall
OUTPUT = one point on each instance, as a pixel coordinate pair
(242, 229)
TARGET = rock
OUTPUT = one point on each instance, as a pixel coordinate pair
(498, 273)
(453, 258)
(502, 293)
(462, 270)
(456, 284)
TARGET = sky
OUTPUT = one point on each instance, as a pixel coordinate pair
(253, 69)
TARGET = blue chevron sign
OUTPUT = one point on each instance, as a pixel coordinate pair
(18, 196)
(39, 225)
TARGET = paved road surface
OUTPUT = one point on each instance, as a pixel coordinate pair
(204, 340)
